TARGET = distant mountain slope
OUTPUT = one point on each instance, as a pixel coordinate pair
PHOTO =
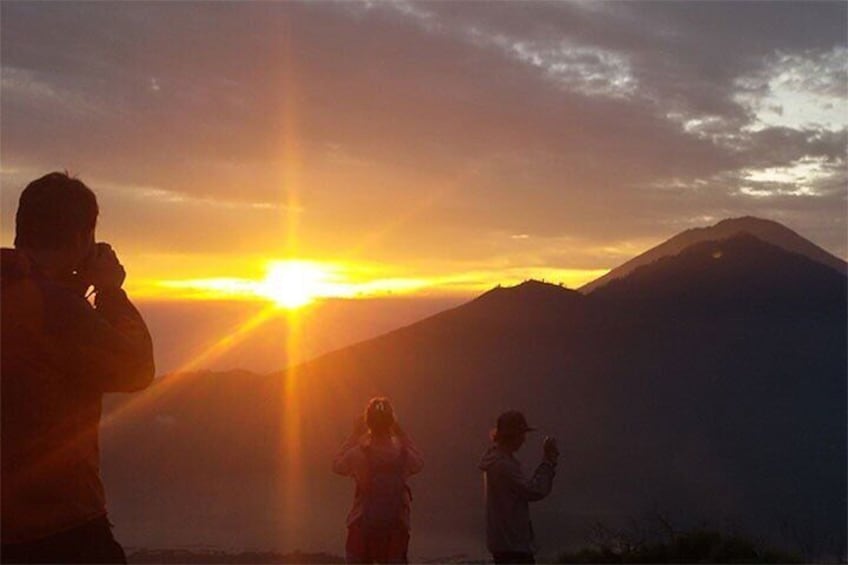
(710, 385)
(735, 273)
(766, 230)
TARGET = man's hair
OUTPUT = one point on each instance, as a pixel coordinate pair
(52, 210)
(379, 415)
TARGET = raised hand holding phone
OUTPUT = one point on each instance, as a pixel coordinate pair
(102, 268)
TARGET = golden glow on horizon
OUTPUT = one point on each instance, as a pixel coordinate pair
(292, 284)
(295, 283)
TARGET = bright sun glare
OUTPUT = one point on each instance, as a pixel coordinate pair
(292, 284)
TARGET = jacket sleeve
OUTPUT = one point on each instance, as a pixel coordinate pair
(109, 345)
(536, 487)
(414, 459)
(343, 461)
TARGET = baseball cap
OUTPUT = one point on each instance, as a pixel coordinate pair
(512, 423)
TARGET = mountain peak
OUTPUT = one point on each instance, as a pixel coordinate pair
(522, 300)
(736, 273)
(747, 221)
(748, 224)
(766, 230)
(531, 289)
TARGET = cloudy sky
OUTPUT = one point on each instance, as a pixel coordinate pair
(425, 145)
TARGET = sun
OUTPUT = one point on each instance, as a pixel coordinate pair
(294, 284)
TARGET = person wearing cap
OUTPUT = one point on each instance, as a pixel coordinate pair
(380, 456)
(509, 532)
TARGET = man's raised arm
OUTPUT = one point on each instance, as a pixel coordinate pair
(114, 351)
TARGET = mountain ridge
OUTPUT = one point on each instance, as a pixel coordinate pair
(535, 296)
(766, 230)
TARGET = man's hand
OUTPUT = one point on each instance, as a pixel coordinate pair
(550, 449)
(78, 284)
(103, 270)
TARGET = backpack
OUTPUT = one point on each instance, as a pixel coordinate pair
(384, 492)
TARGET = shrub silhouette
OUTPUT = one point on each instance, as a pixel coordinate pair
(695, 546)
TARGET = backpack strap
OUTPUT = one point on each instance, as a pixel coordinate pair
(372, 465)
(404, 455)
(369, 461)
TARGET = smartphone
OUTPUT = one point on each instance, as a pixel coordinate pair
(81, 280)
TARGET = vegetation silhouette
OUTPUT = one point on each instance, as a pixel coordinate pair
(692, 546)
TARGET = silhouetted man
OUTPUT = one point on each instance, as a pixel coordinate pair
(59, 355)
(380, 456)
(509, 532)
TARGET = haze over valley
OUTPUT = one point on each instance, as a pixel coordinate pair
(708, 385)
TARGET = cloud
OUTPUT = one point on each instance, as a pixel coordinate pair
(799, 90)
(800, 178)
(29, 87)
